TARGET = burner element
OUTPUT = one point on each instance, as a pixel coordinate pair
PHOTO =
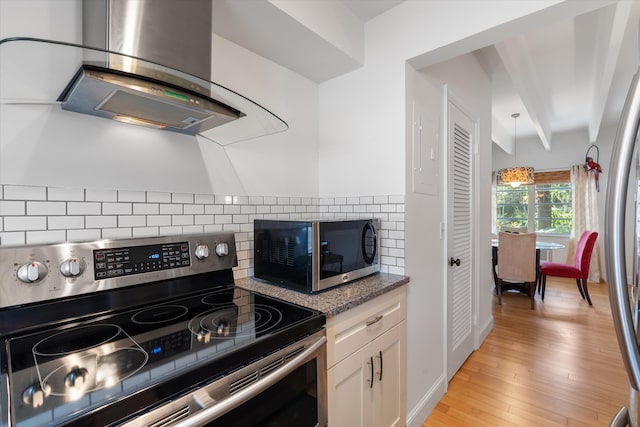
(231, 321)
(83, 359)
(159, 314)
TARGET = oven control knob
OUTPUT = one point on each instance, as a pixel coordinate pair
(34, 395)
(222, 249)
(32, 272)
(76, 379)
(72, 267)
(202, 251)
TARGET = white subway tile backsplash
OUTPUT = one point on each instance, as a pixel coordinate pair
(193, 209)
(132, 221)
(13, 238)
(65, 194)
(353, 200)
(223, 200)
(203, 219)
(93, 195)
(174, 209)
(46, 208)
(381, 199)
(65, 222)
(12, 207)
(182, 220)
(117, 208)
(145, 231)
(43, 237)
(24, 192)
(132, 196)
(25, 223)
(158, 220)
(193, 229)
(146, 209)
(116, 233)
(182, 198)
(395, 234)
(270, 200)
(240, 200)
(223, 219)
(231, 227)
(213, 209)
(158, 197)
(85, 235)
(84, 208)
(204, 199)
(83, 215)
(101, 221)
(232, 209)
(170, 231)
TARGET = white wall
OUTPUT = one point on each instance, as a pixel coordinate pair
(43, 145)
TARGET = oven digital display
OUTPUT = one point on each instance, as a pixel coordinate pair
(110, 263)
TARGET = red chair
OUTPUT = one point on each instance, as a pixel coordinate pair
(580, 268)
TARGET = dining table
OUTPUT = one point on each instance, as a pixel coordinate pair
(540, 246)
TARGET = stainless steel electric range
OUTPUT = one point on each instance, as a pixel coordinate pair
(152, 332)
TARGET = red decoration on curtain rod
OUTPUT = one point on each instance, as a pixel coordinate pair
(591, 165)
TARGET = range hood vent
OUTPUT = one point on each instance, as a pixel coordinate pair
(144, 101)
(139, 64)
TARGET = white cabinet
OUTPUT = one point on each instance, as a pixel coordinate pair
(366, 375)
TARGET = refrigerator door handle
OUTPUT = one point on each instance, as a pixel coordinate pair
(614, 232)
(620, 419)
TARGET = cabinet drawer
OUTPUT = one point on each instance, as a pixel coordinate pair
(349, 331)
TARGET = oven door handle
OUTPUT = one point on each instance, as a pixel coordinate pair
(223, 406)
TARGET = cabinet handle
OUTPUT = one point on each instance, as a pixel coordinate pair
(380, 373)
(375, 320)
(370, 362)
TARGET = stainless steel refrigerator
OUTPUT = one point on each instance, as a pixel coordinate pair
(624, 292)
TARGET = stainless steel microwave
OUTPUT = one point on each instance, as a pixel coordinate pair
(311, 256)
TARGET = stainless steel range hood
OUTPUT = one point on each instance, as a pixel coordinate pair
(141, 62)
(134, 99)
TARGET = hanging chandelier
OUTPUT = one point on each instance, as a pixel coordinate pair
(517, 175)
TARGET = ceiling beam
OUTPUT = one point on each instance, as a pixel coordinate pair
(607, 50)
(518, 64)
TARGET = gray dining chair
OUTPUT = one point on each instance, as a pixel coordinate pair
(516, 264)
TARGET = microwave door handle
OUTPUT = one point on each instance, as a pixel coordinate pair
(614, 232)
(221, 407)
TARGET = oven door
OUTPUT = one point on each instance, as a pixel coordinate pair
(288, 387)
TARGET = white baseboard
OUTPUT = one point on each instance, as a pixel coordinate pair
(417, 415)
(484, 331)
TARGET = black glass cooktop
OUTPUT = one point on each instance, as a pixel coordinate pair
(141, 356)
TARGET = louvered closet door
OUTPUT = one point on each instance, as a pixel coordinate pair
(460, 326)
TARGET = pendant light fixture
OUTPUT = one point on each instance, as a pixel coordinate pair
(517, 175)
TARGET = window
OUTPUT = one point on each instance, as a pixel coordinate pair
(544, 207)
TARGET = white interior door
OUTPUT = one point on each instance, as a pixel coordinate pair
(460, 326)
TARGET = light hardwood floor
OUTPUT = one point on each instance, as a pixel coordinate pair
(556, 365)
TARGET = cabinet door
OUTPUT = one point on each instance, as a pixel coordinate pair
(389, 372)
(350, 392)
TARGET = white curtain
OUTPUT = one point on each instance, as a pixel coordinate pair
(585, 216)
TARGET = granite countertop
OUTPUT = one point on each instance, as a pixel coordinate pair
(332, 301)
